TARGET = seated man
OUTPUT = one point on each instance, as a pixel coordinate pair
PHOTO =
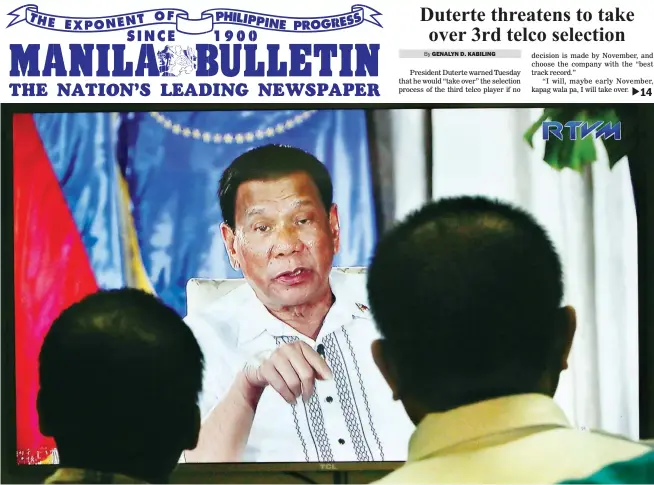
(289, 374)
(120, 375)
(467, 295)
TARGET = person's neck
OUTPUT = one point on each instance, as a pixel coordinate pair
(308, 317)
(112, 463)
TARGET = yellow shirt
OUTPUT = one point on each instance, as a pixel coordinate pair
(79, 475)
(516, 439)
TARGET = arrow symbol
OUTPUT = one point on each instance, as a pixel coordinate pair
(634, 91)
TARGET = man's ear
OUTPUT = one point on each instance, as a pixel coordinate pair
(229, 240)
(570, 326)
(335, 227)
(194, 435)
(45, 424)
(384, 366)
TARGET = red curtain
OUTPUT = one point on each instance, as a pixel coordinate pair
(51, 271)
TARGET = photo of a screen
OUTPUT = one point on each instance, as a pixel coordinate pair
(113, 199)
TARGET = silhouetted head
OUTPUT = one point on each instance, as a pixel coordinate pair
(280, 225)
(466, 293)
(120, 374)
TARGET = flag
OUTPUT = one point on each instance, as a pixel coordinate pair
(52, 270)
(73, 235)
(81, 150)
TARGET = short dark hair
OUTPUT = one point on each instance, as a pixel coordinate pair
(119, 366)
(466, 292)
(271, 162)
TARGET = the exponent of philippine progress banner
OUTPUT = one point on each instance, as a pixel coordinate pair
(330, 52)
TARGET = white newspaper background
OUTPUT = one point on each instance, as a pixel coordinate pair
(337, 52)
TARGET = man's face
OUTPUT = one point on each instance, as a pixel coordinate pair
(284, 239)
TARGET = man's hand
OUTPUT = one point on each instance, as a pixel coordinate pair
(291, 370)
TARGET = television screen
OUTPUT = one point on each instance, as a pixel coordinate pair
(107, 200)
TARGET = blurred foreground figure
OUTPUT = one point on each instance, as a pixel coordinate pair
(467, 296)
(120, 375)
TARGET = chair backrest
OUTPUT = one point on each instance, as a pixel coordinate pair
(202, 291)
